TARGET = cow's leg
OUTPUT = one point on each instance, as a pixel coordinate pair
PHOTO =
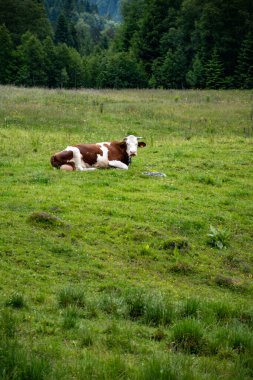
(118, 164)
(77, 158)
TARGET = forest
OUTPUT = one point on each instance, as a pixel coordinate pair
(158, 44)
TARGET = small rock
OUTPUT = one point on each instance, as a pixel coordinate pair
(155, 174)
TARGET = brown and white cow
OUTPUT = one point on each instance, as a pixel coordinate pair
(115, 154)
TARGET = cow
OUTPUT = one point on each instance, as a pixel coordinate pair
(115, 154)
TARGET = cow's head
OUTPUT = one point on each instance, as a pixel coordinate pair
(132, 144)
(61, 158)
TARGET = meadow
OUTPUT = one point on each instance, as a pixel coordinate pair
(114, 274)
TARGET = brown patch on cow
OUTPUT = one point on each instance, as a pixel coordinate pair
(117, 151)
(61, 158)
(89, 152)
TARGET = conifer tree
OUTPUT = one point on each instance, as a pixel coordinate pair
(244, 69)
(62, 34)
(6, 56)
(214, 71)
(195, 77)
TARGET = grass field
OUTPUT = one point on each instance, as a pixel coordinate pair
(113, 274)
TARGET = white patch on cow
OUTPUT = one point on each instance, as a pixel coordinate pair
(118, 164)
(77, 158)
(132, 145)
(102, 160)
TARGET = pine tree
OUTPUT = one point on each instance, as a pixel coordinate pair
(170, 71)
(244, 69)
(6, 55)
(214, 71)
(62, 34)
(196, 75)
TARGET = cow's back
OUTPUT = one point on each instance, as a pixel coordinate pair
(89, 153)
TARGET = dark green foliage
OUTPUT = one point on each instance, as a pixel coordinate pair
(6, 55)
(195, 77)
(160, 43)
(214, 71)
(62, 33)
(244, 68)
(31, 71)
(21, 16)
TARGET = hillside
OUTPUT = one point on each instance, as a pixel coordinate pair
(115, 274)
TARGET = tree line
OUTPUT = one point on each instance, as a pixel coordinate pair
(159, 44)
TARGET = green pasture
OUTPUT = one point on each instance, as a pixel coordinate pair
(114, 274)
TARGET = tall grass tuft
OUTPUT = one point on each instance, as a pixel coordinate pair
(7, 324)
(103, 369)
(221, 310)
(188, 336)
(190, 308)
(135, 299)
(158, 310)
(113, 303)
(17, 364)
(70, 317)
(16, 301)
(158, 370)
(71, 296)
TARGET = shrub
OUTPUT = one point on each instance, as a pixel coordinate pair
(187, 335)
(218, 238)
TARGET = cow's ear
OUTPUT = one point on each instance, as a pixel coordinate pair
(141, 144)
(123, 143)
